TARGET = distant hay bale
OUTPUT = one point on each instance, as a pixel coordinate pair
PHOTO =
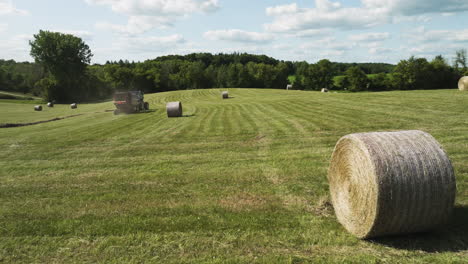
(463, 84)
(325, 90)
(174, 109)
(73, 106)
(50, 104)
(38, 108)
(387, 183)
(225, 95)
(289, 87)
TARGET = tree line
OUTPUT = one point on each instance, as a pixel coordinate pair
(62, 72)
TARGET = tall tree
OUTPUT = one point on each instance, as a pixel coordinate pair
(357, 79)
(65, 57)
(460, 60)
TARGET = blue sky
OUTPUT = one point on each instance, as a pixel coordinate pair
(345, 31)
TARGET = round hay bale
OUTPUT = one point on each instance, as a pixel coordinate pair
(38, 108)
(387, 183)
(174, 109)
(50, 104)
(74, 106)
(289, 87)
(225, 95)
(324, 90)
(463, 84)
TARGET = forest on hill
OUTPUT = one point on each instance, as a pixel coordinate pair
(67, 74)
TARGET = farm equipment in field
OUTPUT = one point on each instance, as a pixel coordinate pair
(129, 102)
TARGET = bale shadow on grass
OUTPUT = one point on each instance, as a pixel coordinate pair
(191, 115)
(453, 237)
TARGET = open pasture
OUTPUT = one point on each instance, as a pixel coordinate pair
(242, 180)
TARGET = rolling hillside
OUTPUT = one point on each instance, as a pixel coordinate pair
(241, 180)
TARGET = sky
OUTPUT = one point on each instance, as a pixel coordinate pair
(342, 31)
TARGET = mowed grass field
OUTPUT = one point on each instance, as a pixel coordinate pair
(242, 180)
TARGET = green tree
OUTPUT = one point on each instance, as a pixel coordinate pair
(64, 57)
(460, 63)
(443, 75)
(319, 75)
(357, 79)
(413, 74)
(380, 82)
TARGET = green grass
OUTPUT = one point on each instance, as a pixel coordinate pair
(235, 181)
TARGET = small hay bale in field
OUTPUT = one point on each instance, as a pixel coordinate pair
(463, 84)
(38, 108)
(73, 106)
(225, 95)
(289, 87)
(388, 183)
(174, 109)
(50, 104)
(324, 90)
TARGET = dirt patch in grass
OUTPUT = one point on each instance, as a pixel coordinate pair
(243, 202)
(323, 207)
(256, 140)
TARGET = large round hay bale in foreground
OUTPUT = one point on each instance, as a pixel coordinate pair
(38, 108)
(225, 95)
(463, 84)
(73, 106)
(174, 109)
(388, 183)
(50, 104)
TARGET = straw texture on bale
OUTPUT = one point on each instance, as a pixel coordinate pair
(73, 106)
(50, 104)
(324, 90)
(389, 183)
(463, 84)
(174, 109)
(225, 95)
(38, 108)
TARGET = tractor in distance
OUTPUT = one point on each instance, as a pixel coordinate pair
(129, 102)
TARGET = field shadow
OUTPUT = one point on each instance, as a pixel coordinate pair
(136, 113)
(191, 115)
(10, 125)
(453, 237)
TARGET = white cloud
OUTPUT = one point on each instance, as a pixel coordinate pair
(158, 42)
(3, 27)
(83, 34)
(417, 7)
(237, 35)
(312, 33)
(144, 15)
(149, 44)
(282, 10)
(141, 48)
(7, 8)
(421, 35)
(328, 43)
(370, 37)
(326, 14)
(16, 47)
(136, 24)
(329, 14)
(380, 50)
